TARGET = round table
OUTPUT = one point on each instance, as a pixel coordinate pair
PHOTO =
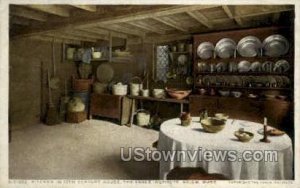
(174, 137)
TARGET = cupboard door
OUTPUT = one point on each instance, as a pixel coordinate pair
(198, 103)
(278, 113)
(239, 108)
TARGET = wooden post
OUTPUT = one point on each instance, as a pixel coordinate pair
(110, 47)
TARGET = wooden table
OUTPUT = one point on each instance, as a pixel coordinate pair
(141, 98)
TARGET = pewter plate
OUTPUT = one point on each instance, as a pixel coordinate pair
(249, 46)
(244, 66)
(205, 50)
(255, 66)
(281, 66)
(275, 45)
(225, 48)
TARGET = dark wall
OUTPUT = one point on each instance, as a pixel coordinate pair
(28, 79)
(28, 93)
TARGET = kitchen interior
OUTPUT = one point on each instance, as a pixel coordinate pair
(85, 80)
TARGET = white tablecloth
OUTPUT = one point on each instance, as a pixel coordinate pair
(174, 137)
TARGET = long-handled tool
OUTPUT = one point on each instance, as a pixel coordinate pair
(63, 103)
(54, 81)
(52, 115)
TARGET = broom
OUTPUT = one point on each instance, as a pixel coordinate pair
(52, 117)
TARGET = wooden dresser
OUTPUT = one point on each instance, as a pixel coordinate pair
(106, 105)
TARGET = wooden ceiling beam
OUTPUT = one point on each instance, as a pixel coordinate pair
(146, 27)
(167, 38)
(231, 13)
(29, 14)
(56, 40)
(171, 23)
(200, 18)
(90, 33)
(68, 36)
(121, 29)
(19, 21)
(111, 20)
(84, 34)
(51, 9)
(158, 13)
(90, 8)
(105, 32)
(95, 29)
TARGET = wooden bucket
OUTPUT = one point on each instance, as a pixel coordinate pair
(81, 84)
(136, 84)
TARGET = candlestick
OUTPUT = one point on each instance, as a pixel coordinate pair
(265, 138)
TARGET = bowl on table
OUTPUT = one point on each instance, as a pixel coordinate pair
(243, 136)
(178, 94)
(221, 116)
(212, 124)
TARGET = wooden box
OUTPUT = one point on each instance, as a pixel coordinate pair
(76, 117)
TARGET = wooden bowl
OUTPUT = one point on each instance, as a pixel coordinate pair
(221, 116)
(244, 136)
(178, 94)
(212, 125)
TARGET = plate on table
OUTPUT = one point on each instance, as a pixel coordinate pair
(271, 132)
(244, 66)
(205, 50)
(275, 45)
(256, 66)
(249, 46)
(225, 48)
(267, 66)
(281, 66)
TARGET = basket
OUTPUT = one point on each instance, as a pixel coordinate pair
(76, 117)
(142, 117)
(135, 88)
(81, 84)
(119, 89)
(85, 97)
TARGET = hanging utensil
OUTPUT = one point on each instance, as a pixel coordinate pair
(54, 81)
